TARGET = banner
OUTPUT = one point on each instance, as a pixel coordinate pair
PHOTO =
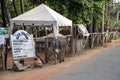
(22, 45)
(4, 33)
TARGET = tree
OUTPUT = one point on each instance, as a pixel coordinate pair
(15, 8)
(22, 6)
(3, 13)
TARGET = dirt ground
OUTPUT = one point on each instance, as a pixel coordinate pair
(46, 71)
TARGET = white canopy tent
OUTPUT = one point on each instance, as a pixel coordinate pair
(41, 15)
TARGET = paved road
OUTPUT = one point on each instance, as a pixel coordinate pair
(104, 66)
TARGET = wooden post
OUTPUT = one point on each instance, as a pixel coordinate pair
(46, 48)
(6, 52)
(73, 42)
(3, 57)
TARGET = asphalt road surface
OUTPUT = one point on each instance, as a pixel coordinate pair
(103, 66)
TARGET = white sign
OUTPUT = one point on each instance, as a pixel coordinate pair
(22, 45)
(2, 39)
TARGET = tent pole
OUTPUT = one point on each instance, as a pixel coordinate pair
(23, 26)
(52, 27)
(33, 30)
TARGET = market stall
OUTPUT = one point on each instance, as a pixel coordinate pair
(41, 21)
(41, 16)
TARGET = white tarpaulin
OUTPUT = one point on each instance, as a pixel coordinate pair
(22, 45)
(83, 29)
(42, 15)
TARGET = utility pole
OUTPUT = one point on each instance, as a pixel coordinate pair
(103, 18)
(103, 22)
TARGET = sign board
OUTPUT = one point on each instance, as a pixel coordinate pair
(4, 33)
(22, 45)
(2, 39)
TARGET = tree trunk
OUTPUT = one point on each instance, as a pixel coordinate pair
(22, 6)
(8, 16)
(118, 13)
(3, 13)
(14, 5)
(94, 28)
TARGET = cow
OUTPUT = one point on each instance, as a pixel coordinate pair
(57, 46)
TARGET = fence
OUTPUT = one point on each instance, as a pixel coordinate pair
(94, 40)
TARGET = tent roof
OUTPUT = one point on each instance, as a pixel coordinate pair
(42, 15)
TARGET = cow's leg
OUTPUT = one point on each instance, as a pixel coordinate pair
(50, 54)
(56, 57)
(62, 55)
(47, 56)
(59, 57)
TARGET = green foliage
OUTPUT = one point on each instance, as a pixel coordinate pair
(79, 11)
(27, 6)
(117, 36)
(117, 24)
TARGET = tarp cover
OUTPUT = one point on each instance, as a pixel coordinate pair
(83, 29)
(42, 15)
